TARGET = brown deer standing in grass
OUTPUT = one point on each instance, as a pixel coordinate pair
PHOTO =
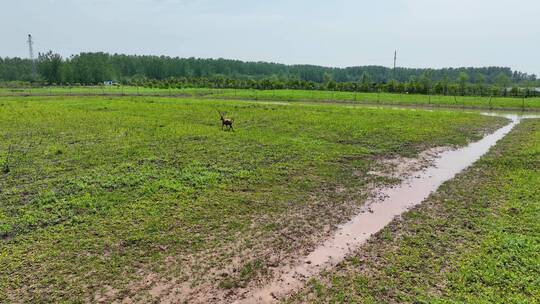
(226, 122)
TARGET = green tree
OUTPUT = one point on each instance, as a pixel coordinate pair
(462, 80)
(503, 82)
(364, 81)
(425, 82)
(50, 67)
(480, 81)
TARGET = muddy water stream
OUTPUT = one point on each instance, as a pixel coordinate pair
(395, 201)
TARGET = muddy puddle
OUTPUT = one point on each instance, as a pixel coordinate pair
(390, 203)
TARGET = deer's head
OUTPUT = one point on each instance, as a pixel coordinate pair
(221, 115)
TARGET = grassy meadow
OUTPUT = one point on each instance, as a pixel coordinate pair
(477, 240)
(99, 193)
(477, 102)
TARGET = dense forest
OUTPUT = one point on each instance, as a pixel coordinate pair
(162, 71)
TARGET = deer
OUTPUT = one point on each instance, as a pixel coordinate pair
(226, 122)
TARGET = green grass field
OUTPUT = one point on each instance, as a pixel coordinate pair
(99, 193)
(477, 240)
(478, 102)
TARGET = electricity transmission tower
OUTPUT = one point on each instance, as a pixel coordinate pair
(30, 47)
(31, 55)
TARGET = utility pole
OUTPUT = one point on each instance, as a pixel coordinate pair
(31, 55)
(395, 60)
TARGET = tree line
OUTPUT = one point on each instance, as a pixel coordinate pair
(163, 71)
(414, 86)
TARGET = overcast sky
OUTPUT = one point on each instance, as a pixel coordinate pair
(426, 33)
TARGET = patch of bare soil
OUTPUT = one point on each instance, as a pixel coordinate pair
(231, 272)
(400, 168)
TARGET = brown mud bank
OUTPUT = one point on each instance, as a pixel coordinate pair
(378, 212)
